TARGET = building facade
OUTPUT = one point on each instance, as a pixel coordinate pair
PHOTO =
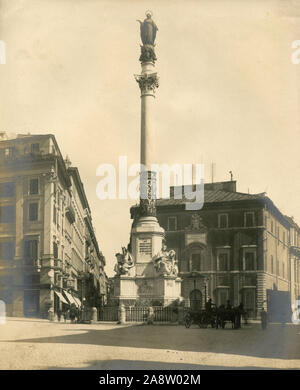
(238, 247)
(49, 256)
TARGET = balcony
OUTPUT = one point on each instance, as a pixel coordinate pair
(70, 214)
(83, 275)
(57, 264)
(66, 269)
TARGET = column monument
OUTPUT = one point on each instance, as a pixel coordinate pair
(147, 271)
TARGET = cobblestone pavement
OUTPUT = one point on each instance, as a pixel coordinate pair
(39, 344)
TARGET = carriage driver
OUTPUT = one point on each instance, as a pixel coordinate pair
(228, 306)
(209, 305)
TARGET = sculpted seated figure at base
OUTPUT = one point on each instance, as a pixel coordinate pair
(124, 262)
(165, 262)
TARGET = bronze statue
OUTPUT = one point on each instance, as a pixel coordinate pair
(148, 30)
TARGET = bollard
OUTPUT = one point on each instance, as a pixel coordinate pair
(2, 312)
(94, 315)
(122, 314)
(51, 314)
(150, 319)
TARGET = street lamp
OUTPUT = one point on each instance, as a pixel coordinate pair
(205, 288)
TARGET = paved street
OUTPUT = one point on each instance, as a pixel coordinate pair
(39, 344)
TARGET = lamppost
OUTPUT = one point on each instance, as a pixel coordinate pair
(205, 288)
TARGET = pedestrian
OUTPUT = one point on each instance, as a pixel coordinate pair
(64, 314)
(263, 316)
(72, 313)
(239, 312)
(208, 305)
(59, 313)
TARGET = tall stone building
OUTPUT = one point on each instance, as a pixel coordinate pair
(49, 255)
(238, 247)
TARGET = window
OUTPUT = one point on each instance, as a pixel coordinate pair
(172, 223)
(223, 280)
(249, 219)
(223, 261)
(31, 252)
(283, 270)
(35, 148)
(223, 220)
(7, 214)
(8, 152)
(54, 214)
(272, 227)
(272, 265)
(7, 190)
(283, 237)
(249, 261)
(250, 280)
(7, 250)
(195, 262)
(33, 212)
(55, 250)
(33, 186)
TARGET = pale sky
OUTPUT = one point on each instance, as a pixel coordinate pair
(228, 93)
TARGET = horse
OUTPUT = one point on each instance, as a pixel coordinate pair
(226, 315)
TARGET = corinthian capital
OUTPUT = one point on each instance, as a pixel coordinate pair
(147, 82)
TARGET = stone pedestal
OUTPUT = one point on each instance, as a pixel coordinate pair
(125, 289)
(146, 241)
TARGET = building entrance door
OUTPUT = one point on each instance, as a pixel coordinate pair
(31, 303)
(222, 296)
(249, 302)
(196, 300)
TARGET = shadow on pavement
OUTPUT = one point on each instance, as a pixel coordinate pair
(150, 365)
(275, 342)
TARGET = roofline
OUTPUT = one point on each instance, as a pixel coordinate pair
(74, 172)
(262, 202)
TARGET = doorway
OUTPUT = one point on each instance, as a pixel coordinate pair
(196, 300)
(31, 303)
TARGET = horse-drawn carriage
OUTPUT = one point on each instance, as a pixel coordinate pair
(215, 317)
(202, 318)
